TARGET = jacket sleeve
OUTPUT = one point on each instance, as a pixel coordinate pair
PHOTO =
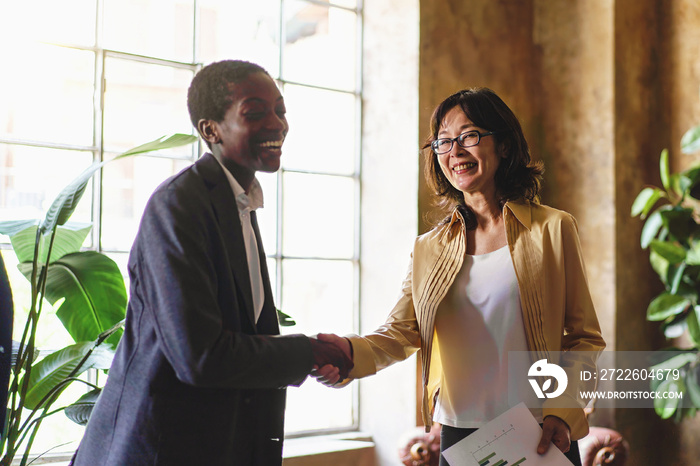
(395, 340)
(184, 284)
(581, 333)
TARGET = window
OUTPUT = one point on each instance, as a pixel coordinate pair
(112, 74)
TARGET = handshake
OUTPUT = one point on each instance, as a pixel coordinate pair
(332, 358)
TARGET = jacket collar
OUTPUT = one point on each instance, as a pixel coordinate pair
(521, 210)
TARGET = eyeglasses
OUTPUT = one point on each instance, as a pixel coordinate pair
(466, 139)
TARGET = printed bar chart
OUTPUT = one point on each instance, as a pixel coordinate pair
(509, 440)
(485, 460)
(489, 459)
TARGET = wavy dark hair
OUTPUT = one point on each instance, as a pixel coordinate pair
(210, 94)
(517, 175)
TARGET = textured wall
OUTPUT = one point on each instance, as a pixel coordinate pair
(601, 87)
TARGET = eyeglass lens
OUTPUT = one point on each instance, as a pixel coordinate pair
(468, 139)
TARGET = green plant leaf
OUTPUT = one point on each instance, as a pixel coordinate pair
(94, 292)
(67, 200)
(693, 321)
(666, 305)
(691, 383)
(162, 143)
(285, 320)
(69, 238)
(79, 412)
(50, 371)
(693, 255)
(690, 142)
(678, 274)
(679, 221)
(671, 252)
(674, 326)
(650, 229)
(664, 170)
(660, 266)
(665, 407)
(12, 227)
(677, 361)
(645, 201)
(692, 176)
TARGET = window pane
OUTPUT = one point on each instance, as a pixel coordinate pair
(345, 3)
(323, 127)
(319, 296)
(320, 45)
(240, 29)
(50, 97)
(314, 406)
(267, 216)
(272, 271)
(32, 177)
(143, 102)
(68, 21)
(156, 28)
(122, 261)
(127, 186)
(319, 216)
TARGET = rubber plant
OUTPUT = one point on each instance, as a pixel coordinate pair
(92, 310)
(671, 233)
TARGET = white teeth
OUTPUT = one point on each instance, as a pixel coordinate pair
(464, 166)
(271, 144)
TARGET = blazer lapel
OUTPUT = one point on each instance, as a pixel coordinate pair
(226, 211)
(268, 322)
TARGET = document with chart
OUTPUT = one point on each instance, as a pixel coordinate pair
(511, 439)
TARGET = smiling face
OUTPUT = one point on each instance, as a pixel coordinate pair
(471, 170)
(250, 136)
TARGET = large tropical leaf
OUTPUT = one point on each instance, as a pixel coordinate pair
(163, 142)
(94, 292)
(49, 372)
(65, 203)
(79, 412)
(69, 238)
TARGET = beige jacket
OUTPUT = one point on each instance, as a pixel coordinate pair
(557, 308)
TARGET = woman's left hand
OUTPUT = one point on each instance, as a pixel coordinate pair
(556, 431)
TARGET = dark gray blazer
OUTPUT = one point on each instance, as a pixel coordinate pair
(195, 381)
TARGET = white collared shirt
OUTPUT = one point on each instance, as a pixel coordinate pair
(246, 204)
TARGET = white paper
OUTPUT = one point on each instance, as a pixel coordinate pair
(511, 439)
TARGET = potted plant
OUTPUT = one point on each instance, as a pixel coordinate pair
(671, 233)
(92, 311)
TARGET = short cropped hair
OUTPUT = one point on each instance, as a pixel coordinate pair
(209, 96)
(517, 175)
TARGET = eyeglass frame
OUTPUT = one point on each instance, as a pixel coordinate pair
(453, 140)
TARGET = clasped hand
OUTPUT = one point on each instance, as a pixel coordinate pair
(332, 358)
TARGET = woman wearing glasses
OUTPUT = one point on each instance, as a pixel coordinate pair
(500, 273)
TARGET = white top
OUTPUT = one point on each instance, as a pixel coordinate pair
(247, 203)
(477, 323)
